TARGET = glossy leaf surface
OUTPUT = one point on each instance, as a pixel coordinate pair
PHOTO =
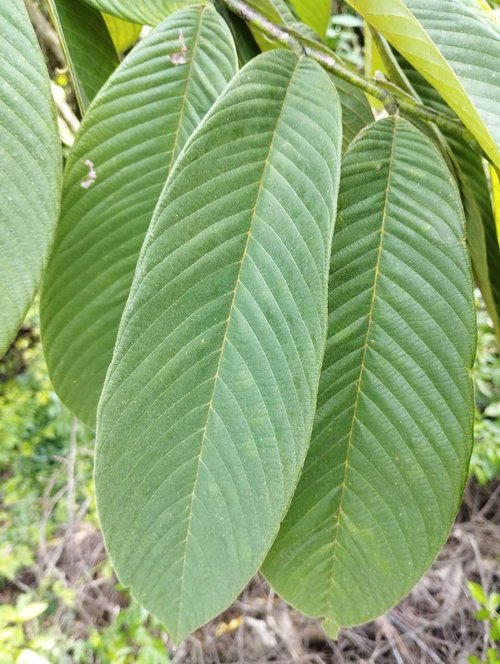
(31, 164)
(207, 410)
(389, 455)
(128, 141)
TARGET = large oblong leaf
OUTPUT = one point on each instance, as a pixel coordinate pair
(31, 165)
(87, 46)
(147, 12)
(207, 409)
(389, 455)
(455, 45)
(128, 141)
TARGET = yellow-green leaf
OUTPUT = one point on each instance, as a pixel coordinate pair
(123, 33)
(314, 14)
(455, 45)
(495, 186)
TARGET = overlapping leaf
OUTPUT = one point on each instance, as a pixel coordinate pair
(495, 186)
(128, 141)
(481, 233)
(123, 33)
(389, 456)
(207, 410)
(276, 11)
(31, 164)
(146, 12)
(245, 43)
(356, 112)
(314, 14)
(475, 190)
(87, 47)
(455, 45)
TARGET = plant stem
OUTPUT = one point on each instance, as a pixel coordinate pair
(392, 100)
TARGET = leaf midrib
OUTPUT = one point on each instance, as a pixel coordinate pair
(340, 512)
(182, 110)
(219, 361)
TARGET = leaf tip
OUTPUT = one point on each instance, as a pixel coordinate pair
(331, 628)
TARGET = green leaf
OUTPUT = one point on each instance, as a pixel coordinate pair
(392, 438)
(356, 111)
(314, 14)
(373, 63)
(31, 165)
(477, 592)
(475, 191)
(459, 56)
(276, 11)
(495, 186)
(481, 233)
(128, 141)
(123, 33)
(246, 46)
(208, 406)
(31, 611)
(145, 12)
(87, 47)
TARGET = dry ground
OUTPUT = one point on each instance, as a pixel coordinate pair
(434, 624)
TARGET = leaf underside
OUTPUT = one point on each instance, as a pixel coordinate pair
(145, 12)
(476, 197)
(130, 137)
(356, 111)
(31, 163)
(460, 57)
(392, 436)
(207, 410)
(87, 47)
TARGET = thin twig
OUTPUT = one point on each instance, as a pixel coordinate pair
(392, 100)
